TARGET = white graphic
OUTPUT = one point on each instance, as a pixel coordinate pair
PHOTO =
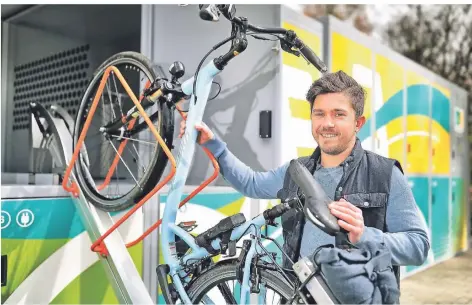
(25, 218)
(6, 219)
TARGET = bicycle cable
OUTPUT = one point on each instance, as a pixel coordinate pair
(214, 48)
(218, 45)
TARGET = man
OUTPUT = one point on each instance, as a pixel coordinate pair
(371, 197)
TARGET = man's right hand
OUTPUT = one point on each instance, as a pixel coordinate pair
(205, 134)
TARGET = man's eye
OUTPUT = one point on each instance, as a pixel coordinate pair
(340, 114)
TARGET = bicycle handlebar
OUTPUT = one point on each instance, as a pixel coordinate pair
(211, 13)
(305, 50)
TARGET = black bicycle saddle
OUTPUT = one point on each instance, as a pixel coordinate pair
(316, 201)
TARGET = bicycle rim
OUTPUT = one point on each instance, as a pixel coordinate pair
(220, 286)
(113, 175)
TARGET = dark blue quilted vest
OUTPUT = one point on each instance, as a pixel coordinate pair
(365, 184)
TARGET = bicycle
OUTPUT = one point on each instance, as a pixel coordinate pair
(255, 269)
(191, 268)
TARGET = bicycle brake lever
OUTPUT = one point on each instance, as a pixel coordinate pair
(287, 47)
(288, 42)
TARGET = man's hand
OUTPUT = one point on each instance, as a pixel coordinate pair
(205, 134)
(350, 218)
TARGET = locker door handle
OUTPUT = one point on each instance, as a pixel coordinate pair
(453, 197)
(4, 270)
(433, 199)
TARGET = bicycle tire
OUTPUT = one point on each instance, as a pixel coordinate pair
(158, 160)
(227, 272)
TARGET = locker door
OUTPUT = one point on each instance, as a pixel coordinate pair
(440, 217)
(459, 216)
(420, 188)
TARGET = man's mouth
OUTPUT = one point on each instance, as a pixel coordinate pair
(329, 135)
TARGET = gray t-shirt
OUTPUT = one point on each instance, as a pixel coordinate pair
(313, 237)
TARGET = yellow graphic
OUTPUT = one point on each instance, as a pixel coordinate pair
(391, 76)
(233, 207)
(418, 128)
(392, 87)
(396, 140)
(441, 146)
(351, 57)
(299, 108)
(441, 149)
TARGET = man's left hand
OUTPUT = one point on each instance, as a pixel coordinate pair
(350, 218)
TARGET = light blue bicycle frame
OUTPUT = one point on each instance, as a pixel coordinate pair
(186, 153)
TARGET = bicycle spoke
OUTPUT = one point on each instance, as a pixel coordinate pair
(117, 180)
(111, 143)
(136, 140)
(118, 96)
(136, 158)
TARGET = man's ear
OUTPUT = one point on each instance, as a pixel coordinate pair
(360, 122)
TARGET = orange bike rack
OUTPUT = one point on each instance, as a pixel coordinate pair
(98, 245)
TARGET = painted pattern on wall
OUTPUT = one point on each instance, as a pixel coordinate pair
(49, 256)
(426, 140)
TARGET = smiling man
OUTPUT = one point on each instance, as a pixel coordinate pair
(371, 197)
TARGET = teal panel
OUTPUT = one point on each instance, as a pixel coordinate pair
(46, 218)
(440, 217)
(419, 188)
(417, 100)
(459, 217)
(420, 193)
(440, 109)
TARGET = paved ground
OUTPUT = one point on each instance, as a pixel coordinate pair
(449, 282)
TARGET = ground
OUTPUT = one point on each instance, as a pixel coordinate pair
(449, 282)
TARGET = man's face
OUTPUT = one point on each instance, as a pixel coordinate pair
(334, 123)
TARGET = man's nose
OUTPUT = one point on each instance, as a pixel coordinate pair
(328, 122)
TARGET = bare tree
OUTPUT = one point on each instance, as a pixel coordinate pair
(355, 13)
(437, 37)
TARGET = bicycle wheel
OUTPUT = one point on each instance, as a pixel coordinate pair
(220, 285)
(119, 171)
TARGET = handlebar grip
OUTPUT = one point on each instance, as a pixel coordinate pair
(276, 211)
(311, 57)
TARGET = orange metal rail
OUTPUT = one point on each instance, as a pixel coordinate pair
(98, 245)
